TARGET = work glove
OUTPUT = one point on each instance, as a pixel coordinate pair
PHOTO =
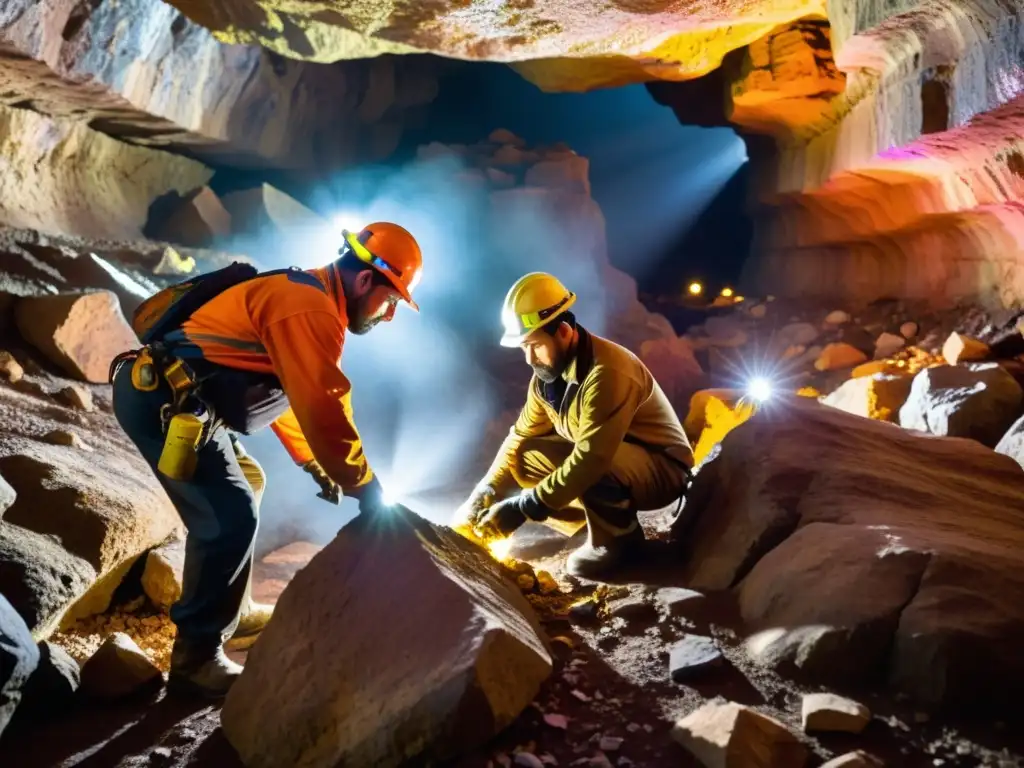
(329, 490)
(473, 508)
(503, 518)
(370, 497)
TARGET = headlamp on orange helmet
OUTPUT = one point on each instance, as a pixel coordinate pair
(392, 251)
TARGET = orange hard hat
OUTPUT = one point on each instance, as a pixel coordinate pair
(392, 251)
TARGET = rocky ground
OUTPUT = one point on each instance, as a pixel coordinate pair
(611, 698)
(609, 701)
(940, 515)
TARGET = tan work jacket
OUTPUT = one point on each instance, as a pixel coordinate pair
(610, 397)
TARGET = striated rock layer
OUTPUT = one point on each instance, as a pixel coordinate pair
(141, 70)
(852, 198)
(61, 177)
(568, 45)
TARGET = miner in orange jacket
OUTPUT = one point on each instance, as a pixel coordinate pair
(265, 351)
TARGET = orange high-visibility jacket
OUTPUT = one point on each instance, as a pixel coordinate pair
(293, 327)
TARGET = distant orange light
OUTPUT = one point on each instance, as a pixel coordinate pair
(695, 288)
(727, 292)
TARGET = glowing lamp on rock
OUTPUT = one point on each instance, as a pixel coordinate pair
(727, 292)
(695, 288)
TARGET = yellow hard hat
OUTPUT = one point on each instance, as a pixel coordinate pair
(533, 302)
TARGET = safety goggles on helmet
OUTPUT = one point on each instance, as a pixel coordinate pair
(526, 323)
(358, 245)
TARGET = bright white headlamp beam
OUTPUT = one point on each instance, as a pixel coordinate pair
(759, 388)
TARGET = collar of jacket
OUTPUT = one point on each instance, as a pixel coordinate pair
(582, 360)
(330, 277)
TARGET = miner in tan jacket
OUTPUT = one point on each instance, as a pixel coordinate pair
(596, 441)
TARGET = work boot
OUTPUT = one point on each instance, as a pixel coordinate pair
(603, 554)
(250, 624)
(208, 673)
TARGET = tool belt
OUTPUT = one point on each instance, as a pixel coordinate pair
(154, 362)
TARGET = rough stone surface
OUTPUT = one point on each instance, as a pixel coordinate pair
(81, 518)
(162, 576)
(677, 599)
(874, 397)
(39, 577)
(858, 548)
(857, 759)
(53, 685)
(7, 496)
(19, 658)
(730, 735)
(120, 67)
(875, 175)
(78, 397)
(81, 333)
(632, 608)
(344, 673)
(963, 349)
(198, 221)
(1012, 443)
(10, 368)
(611, 44)
(265, 210)
(103, 510)
(888, 344)
(63, 178)
(977, 400)
(839, 355)
(829, 712)
(117, 669)
(691, 655)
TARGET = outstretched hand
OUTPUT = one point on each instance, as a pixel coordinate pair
(329, 490)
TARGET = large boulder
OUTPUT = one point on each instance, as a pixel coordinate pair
(1012, 443)
(80, 332)
(107, 511)
(19, 658)
(81, 518)
(977, 400)
(39, 577)
(399, 642)
(859, 549)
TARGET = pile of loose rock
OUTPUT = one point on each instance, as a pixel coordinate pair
(956, 372)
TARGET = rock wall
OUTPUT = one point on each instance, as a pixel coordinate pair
(564, 45)
(890, 167)
(141, 70)
(60, 177)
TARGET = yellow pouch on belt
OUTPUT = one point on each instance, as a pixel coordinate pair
(181, 446)
(144, 374)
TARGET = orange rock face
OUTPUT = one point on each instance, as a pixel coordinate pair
(569, 45)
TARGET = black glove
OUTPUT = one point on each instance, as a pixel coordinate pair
(370, 497)
(329, 490)
(506, 516)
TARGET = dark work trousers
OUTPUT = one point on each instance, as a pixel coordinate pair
(218, 508)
